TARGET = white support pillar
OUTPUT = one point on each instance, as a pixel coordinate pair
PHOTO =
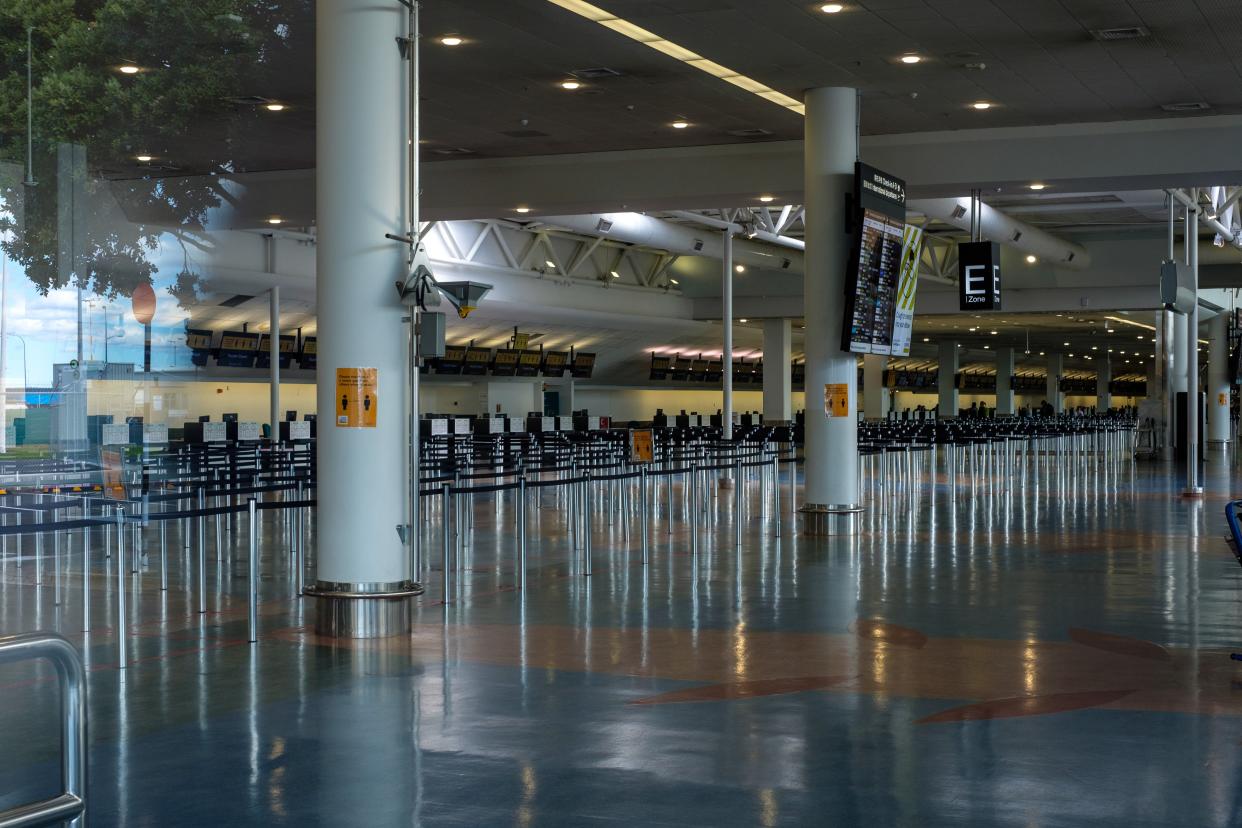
(875, 395)
(1179, 355)
(777, 371)
(1194, 486)
(1218, 380)
(726, 293)
(831, 148)
(360, 80)
(1052, 391)
(946, 373)
(273, 340)
(1103, 377)
(1004, 383)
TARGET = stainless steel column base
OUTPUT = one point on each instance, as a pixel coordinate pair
(364, 610)
(824, 521)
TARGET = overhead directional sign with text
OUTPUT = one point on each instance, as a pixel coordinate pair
(978, 276)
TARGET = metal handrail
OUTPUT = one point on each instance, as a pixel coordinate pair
(71, 804)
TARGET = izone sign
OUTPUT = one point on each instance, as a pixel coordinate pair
(978, 276)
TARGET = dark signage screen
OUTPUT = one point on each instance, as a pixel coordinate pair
(874, 268)
(978, 276)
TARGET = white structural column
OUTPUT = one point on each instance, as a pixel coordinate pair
(1218, 380)
(1004, 383)
(777, 373)
(830, 150)
(1103, 377)
(1052, 390)
(360, 156)
(875, 395)
(947, 378)
(726, 375)
(1193, 484)
(273, 352)
(1179, 355)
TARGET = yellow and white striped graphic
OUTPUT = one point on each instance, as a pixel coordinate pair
(907, 286)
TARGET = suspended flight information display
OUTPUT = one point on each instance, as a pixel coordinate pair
(873, 280)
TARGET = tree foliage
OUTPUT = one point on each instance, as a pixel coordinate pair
(194, 55)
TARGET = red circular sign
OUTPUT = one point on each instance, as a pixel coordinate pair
(143, 301)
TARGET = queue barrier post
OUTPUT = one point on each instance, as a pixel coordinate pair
(522, 532)
(642, 511)
(121, 634)
(253, 566)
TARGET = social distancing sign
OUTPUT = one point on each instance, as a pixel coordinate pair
(837, 399)
(642, 448)
(357, 397)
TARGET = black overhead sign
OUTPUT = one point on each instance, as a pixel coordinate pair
(978, 276)
(879, 191)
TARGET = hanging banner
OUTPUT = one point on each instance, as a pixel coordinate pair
(907, 286)
(837, 400)
(357, 397)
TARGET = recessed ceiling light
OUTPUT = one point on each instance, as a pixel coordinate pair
(994, 333)
(740, 268)
(450, 40)
(1041, 353)
(128, 69)
(274, 107)
(615, 274)
(275, 220)
(522, 210)
(911, 59)
(1037, 186)
(1032, 259)
(743, 320)
(680, 124)
(673, 282)
(767, 199)
(981, 105)
(570, 84)
(832, 8)
(1066, 344)
(987, 347)
(550, 264)
(1094, 348)
(926, 339)
(143, 158)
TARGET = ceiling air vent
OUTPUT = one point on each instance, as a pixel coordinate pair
(959, 211)
(754, 132)
(603, 226)
(1121, 33)
(598, 73)
(234, 301)
(1186, 106)
(698, 245)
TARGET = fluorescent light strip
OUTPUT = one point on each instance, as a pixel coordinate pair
(677, 52)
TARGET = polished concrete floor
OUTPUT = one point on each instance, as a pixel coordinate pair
(1044, 648)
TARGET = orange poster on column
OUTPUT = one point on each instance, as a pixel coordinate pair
(837, 400)
(357, 397)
